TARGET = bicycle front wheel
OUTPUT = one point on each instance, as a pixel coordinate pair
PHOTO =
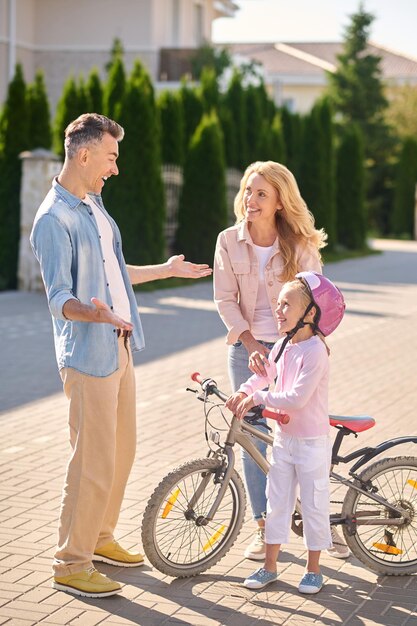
(385, 547)
(174, 536)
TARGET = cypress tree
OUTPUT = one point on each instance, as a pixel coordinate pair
(255, 138)
(14, 133)
(136, 197)
(209, 89)
(203, 208)
(350, 190)
(323, 110)
(235, 101)
(193, 110)
(67, 110)
(229, 134)
(116, 52)
(292, 132)
(172, 127)
(402, 217)
(312, 171)
(268, 107)
(114, 87)
(277, 140)
(84, 102)
(358, 93)
(39, 120)
(95, 91)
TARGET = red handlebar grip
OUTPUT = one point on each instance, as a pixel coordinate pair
(282, 419)
(196, 377)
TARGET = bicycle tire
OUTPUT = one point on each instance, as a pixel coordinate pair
(178, 546)
(385, 549)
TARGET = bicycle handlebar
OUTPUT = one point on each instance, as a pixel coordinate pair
(208, 384)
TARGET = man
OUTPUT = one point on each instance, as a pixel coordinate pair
(96, 328)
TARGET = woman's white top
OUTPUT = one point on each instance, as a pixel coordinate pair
(264, 325)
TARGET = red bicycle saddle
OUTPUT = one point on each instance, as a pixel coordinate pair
(357, 423)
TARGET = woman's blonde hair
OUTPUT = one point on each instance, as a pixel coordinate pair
(295, 223)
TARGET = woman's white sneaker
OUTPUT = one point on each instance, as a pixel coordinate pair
(339, 549)
(256, 549)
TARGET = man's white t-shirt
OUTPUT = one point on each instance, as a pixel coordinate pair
(120, 300)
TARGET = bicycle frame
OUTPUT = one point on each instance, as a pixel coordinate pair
(239, 431)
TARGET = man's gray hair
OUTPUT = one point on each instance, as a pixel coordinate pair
(89, 128)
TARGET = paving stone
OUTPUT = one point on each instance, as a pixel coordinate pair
(372, 372)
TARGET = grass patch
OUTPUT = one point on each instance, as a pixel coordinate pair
(170, 283)
(333, 256)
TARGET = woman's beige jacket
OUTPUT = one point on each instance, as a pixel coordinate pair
(236, 273)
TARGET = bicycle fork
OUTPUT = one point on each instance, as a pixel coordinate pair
(203, 520)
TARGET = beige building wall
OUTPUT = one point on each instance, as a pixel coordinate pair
(298, 98)
(72, 36)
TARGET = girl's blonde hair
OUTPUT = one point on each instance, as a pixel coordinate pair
(295, 223)
(305, 294)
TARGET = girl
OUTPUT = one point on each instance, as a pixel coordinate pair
(309, 308)
(274, 238)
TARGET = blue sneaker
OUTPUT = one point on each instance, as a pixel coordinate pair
(310, 583)
(259, 579)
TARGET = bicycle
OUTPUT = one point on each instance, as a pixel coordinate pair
(196, 512)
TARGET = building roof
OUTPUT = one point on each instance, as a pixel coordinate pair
(312, 58)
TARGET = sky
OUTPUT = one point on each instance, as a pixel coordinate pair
(394, 26)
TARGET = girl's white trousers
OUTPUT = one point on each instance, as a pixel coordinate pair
(304, 462)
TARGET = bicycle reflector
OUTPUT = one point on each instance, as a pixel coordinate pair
(170, 503)
(215, 537)
(383, 547)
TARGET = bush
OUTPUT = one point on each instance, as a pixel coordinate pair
(203, 209)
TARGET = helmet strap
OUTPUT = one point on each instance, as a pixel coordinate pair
(300, 324)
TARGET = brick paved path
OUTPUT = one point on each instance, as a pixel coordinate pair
(373, 371)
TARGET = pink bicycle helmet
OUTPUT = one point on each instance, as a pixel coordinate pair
(328, 300)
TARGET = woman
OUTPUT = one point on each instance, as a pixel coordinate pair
(274, 238)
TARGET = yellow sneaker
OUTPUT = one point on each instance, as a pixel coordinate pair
(113, 554)
(89, 583)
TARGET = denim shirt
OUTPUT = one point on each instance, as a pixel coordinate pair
(66, 242)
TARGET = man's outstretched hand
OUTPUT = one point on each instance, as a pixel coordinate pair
(106, 316)
(179, 268)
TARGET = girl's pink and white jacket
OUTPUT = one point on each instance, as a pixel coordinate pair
(301, 388)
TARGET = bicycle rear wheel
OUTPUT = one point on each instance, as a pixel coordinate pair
(385, 548)
(173, 538)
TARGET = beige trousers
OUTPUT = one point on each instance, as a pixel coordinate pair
(102, 423)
